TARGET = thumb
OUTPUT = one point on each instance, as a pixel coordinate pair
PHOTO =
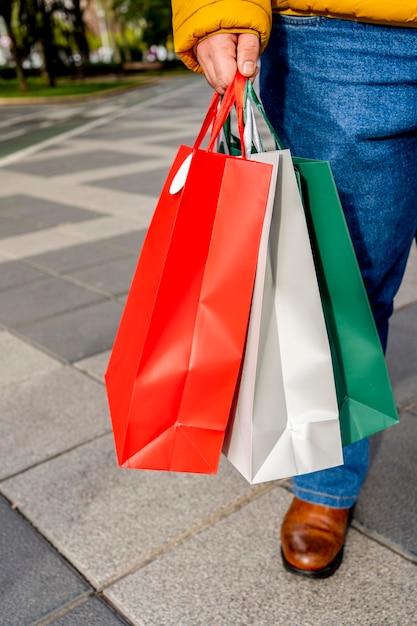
(248, 49)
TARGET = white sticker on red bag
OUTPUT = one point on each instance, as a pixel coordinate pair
(180, 177)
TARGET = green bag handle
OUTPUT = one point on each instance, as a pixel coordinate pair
(251, 94)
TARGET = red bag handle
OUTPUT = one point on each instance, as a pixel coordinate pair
(218, 115)
(240, 91)
(210, 116)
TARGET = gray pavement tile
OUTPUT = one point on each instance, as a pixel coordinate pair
(40, 213)
(113, 276)
(177, 107)
(94, 612)
(41, 241)
(95, 365)
(46, 414)
(147, 183)
(11, 227)
(187, 140)
(231, 575)
(41, 299)
(106, 520)
(71, 164)
(79, 333)
(402, 354)
(89, 254)
(34, 579)
(405, 319)
(387, 505)
(130, 242)
(405, 392)
(159, 112)
(407, 293)
(19, 360)
(198, 100)
(15, 274)
(118, 133)
(199, 97)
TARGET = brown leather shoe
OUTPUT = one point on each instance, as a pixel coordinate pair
(312, 538)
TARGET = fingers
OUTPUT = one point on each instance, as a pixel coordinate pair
(217, 57)
(248, 50)
(222, 55)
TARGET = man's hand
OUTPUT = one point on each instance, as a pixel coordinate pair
(222, 55)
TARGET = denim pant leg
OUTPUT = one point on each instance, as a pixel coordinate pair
(347, 92)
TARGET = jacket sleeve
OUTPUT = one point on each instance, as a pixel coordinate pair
(197, 19)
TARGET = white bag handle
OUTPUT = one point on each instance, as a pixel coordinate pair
(251, 133)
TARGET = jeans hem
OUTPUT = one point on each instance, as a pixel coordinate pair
(316, 497)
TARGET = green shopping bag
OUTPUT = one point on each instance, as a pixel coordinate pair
(364, 393)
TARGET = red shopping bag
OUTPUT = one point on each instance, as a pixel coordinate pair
(175, 361)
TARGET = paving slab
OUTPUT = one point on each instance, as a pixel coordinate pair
(11, 227)
(113, 277)
(408, 291)
(47, 414)
(16, 274)
(45, 298)
(147, 183)
(107, 520)
(94, 612)
(231, 575)
(95, 365)
(92, 253)
(174, 142)
(41, 213)
(158, 112)
(77, 334)
(119, 133)
(402, 354)
(19, 360)
(104, 201)
(76, 257)
(70, 164)
(131, 242)
(105, 227)
(37, 242)
(34, 579)
(387, 505)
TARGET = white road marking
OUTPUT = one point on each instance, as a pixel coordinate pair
(12, 134)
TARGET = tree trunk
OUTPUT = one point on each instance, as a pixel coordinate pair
(21, 80)
(79, 32)
(125, 46)
(117, 57)
(47, 44)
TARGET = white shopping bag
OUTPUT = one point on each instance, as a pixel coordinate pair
(286, 418)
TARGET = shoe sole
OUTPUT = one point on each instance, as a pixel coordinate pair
(324, 572)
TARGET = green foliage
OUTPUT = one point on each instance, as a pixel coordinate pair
(153, 17)
(52, 24)
(39, 87)
(94, 41)
(56, 30)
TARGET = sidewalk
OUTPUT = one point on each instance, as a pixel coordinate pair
(83, 542)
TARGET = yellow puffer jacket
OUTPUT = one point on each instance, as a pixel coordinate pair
(196, 19)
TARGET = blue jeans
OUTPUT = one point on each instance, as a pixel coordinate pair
(347, 92)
